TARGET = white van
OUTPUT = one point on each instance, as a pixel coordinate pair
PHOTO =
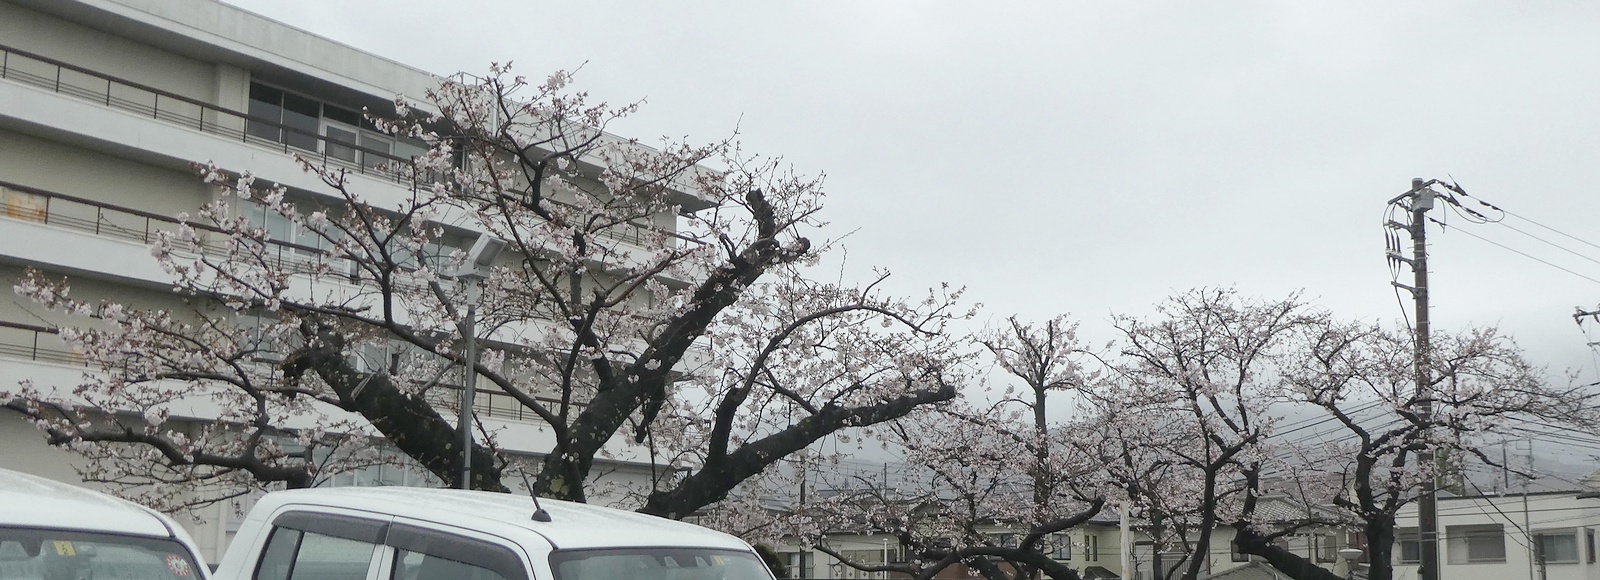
(398, 533)
(54, 531)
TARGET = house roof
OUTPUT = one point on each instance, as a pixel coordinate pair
(1279, 509)
(1098, 573)
(1251, 571)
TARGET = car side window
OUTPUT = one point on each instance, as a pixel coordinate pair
(331, 558)
(277, 560)
(410, 565)
(304, 546)
(423, 554)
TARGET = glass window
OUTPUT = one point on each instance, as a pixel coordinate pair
(410, 565)
(409, 148)
(341, 143)
(1556, 547)
(798, 564)
(1410, 546)
(57, 554)
(1473, 544)
(308, 546)
(342, 115)
(266, 104)
(1326, 547)
(423, 554)
(331, 558)
(301, 116)
(1062, 546)
(277, 559)
(1588, 540)
(658, 564)
(377, 143)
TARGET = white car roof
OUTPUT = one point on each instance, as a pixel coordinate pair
(571, 525)
(36, 502)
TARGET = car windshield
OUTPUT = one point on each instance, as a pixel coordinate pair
(657, 564)
(44, 554)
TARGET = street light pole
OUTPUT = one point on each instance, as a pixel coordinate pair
(469, 379)
(472, 273)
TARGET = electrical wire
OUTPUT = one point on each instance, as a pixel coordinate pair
(1392, 248)
(1550, 243)
(1558, 232)
(1525, 533)
(1516, 251)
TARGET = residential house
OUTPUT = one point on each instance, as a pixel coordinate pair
(1539, 535)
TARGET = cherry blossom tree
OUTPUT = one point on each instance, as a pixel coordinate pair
(1195, 429)
(988, 483)
(1191, 413)
(649, 295)
(1362, 379)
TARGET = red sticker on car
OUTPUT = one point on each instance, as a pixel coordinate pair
(178, 565)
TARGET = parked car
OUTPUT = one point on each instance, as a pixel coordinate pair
(54, 531)
(397, 533)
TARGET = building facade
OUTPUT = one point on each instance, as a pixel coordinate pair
(105, 107)
(1538, 536)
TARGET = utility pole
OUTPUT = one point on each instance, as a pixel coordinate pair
(1421, 196)
(1427, 507)
(1590, 314)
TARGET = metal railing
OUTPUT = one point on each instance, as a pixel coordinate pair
(489, 403)
(117, 93)
(68, 79)
(135, 225)
(35, 342)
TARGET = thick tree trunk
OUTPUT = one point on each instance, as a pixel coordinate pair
(407, 421)
(1291, 564)
(1380, 548)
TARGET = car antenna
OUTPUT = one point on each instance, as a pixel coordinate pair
(539, 515)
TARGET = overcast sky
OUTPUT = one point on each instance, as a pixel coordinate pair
(1092, 158)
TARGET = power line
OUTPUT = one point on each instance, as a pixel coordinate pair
(1516, 251)
(1550, 243)
(1559, 232)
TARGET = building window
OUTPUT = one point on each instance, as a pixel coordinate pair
(285, 117)
(871, 557)
(798, 564)
(1091, 548)
(1556, 547)
(1474, 544)
(1235, 554)
(1326, 547)
(1061, 547)
(1410, 546)
(1588, 540)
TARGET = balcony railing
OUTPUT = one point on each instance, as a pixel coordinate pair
(35, 342)
(489, 403)
(68, 79)
(134, 225)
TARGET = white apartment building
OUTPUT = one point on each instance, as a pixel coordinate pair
(1537, 536)
(104, 105)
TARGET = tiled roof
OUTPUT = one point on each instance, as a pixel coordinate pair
(1251, 571)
